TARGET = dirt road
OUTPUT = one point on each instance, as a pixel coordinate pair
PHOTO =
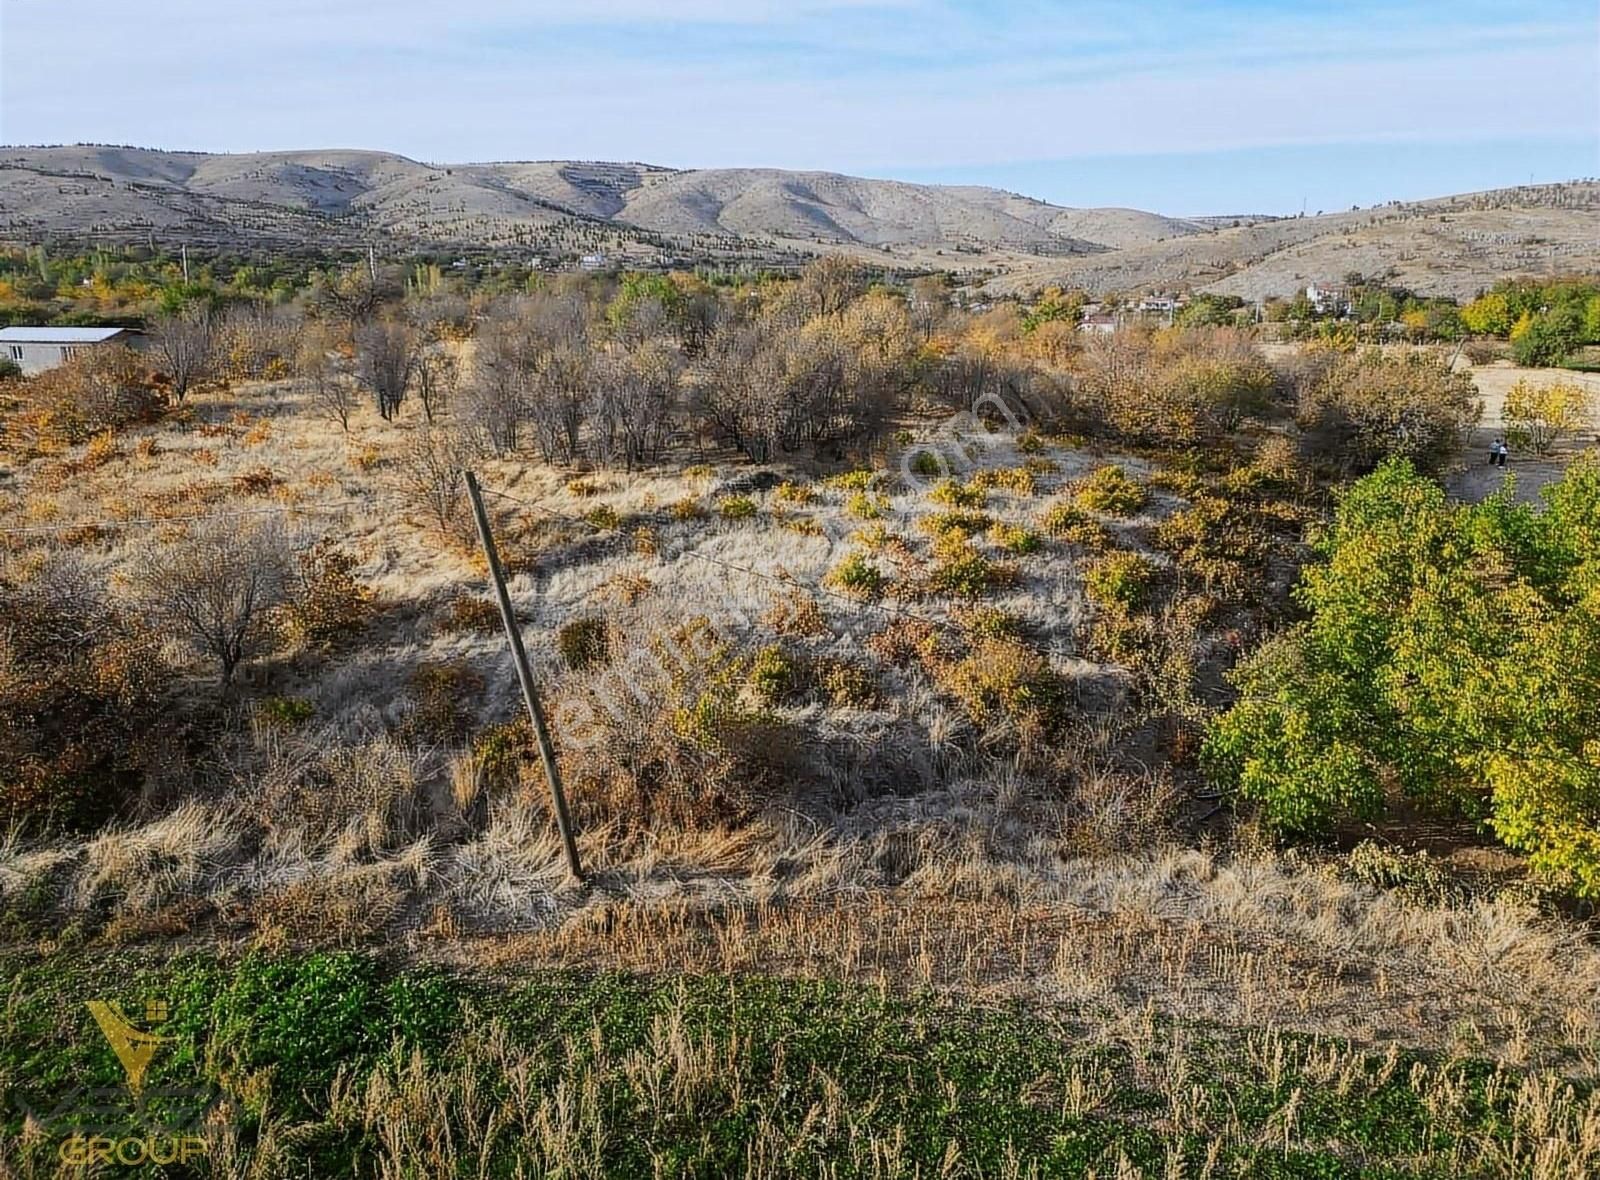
(1477, 479)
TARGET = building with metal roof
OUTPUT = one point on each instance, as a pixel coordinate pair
(35, 349)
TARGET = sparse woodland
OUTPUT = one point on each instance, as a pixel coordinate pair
(905, 654)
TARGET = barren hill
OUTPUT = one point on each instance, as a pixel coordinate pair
(131, 193)
(1452, 245)
(1448, 246)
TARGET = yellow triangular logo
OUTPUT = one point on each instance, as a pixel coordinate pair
(133, 1046)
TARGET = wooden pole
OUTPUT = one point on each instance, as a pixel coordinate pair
(530, 695)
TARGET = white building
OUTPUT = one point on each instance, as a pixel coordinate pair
(36, 349)
(1328, 298)
(1102, 322)
(1159, 304)
(592, 262)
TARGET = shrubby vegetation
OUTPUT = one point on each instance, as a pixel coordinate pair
(847, 599)
(82, 695)
(1546, 322)
(1360, 407)
(1452, 655)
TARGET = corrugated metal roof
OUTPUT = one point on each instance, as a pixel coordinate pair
(57, 335)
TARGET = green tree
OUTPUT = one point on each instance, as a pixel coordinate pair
(1487, 315)
(1549, 338)
(1452, 651)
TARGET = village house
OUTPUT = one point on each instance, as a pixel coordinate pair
(1159, 304)
(35, 350)
(1328, 298)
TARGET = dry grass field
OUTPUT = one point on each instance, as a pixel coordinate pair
(834, 720)
(897, 852)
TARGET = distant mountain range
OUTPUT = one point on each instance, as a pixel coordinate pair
(642, 213)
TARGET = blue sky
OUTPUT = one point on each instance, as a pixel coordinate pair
(1244, 106)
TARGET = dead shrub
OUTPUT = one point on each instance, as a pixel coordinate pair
(845, 684)
(430, 480)
(353, 906)
(82, 688)
(584, 643)
(444, 701)
(472, 613)
(796, 613)
(328, 603)
(258, 481)
(1113, 811)
(1363, 407)
(905, 642)
(218, 588)
(104, 389)
(670, 740)
(366, 799)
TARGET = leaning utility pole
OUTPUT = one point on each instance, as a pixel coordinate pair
(530, 695)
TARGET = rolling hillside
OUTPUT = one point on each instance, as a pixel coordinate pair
(641, 212)
(130, 193)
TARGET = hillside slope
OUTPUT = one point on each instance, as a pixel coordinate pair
(130, 193)
(1448, 246)
(344, 198)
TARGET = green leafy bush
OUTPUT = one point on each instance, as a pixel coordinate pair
(1452, 650)
(959, 522)
(850, 481)
(736, 508)
(954, 495)
(1110, 490)
(856, 575)
(864, 506)
(1003, 679)
(1019, 481)
(774, 674)
(961, 570)
(1120, 581)
(285, 712)
(1015, 538)
(1068, 522)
